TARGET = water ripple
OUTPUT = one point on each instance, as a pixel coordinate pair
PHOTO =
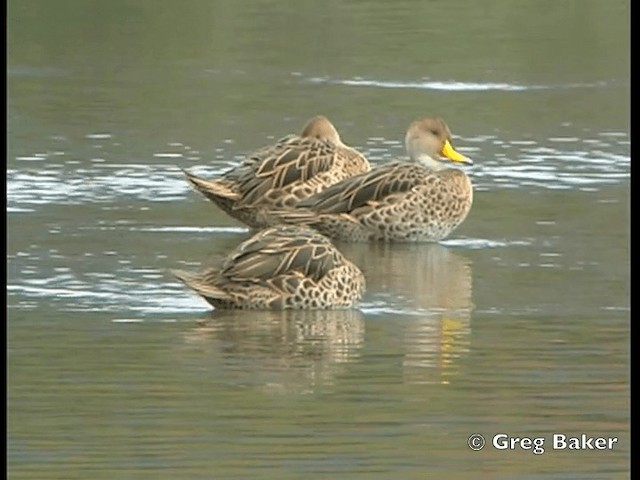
(450, 85)
(98, 184)
(115, 294)
(561, 162)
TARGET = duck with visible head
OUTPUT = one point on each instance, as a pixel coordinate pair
(279, 176)
(428, 142)
(423, 200)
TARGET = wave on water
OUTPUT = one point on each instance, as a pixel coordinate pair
(561, 162)
(101, 183)
(451, 85)
(478, 243)
(133, 297)
(190, 229)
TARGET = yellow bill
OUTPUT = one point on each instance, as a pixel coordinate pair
(449, 152)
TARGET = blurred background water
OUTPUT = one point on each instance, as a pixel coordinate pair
(517, 324)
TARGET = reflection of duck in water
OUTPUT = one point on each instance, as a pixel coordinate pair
(295, 350)
(432, 284)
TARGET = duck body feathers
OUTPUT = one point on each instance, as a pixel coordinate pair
(279, 176)
(397, 202)
(284, 267)
(422, 200)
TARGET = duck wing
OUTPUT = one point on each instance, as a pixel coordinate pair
(367, 189)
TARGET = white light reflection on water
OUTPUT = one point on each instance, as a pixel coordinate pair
(521, 166)
(447, 85)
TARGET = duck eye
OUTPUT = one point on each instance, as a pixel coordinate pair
(435, 132)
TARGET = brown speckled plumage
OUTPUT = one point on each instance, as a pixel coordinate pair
(284, 267)
(277, 177)
(399, 202)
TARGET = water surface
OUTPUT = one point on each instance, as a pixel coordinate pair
(518, 323)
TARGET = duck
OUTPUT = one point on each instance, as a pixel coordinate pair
(280, 268)
(420, 200)
(280, 175)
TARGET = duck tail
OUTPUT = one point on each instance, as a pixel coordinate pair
(202, 285)
(295, 216)
(214, 190)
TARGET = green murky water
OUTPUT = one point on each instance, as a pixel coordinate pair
(516, 324)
